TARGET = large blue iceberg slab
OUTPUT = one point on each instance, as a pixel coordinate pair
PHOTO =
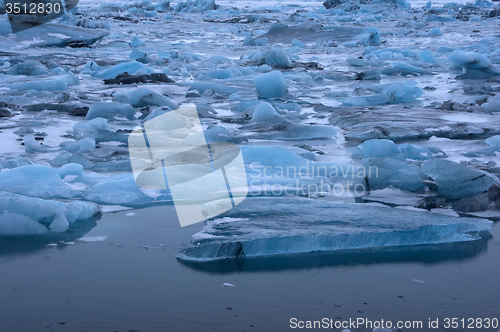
(270, 226)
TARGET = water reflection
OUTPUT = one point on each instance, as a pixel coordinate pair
(424, 254)
(26, 245)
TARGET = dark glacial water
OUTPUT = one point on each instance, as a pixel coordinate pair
(132, 281)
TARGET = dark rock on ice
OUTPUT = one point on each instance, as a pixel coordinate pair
(125, 78)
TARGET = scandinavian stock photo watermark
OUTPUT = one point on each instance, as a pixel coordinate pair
(311, 179)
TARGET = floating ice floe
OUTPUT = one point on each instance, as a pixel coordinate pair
(274, 226)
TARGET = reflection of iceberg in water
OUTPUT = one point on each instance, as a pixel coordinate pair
(274, 226)
(28, 244)
(424, 254)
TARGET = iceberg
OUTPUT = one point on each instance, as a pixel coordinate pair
(263, 226)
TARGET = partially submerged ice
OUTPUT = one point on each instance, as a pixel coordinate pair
(21, 215)
(274, 226)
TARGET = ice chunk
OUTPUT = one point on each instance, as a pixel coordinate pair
(436, 18)
(90, 67)
(271, 226)
(29, 68)
(493, 141)
(314, 32)
(136, 42)
(109, 110)
(144, 97)
(33, 146)
(264, 112)
(18, 224)
(225, 73)
(476, 65)
(271, 85)
(36, 181)
(136, 54)
(383, 148)
(46, 84)
(298, 43)
(15, 162)
(270, 125)
(49, 35)
(457, 181)
(492, 105)
(390, 93)
(434, 32)
(85, 145)
(127, 67)
(387, 172)
(277, 58)
(404, 68)
(249, 41)
(195, 6)
(21, 215)
(119, 192)
(427, 56)
(216, 88)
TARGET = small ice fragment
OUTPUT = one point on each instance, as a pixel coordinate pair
(228, 285)
(130, 214)
(93, 239)
(419, 281)
(113, 208)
